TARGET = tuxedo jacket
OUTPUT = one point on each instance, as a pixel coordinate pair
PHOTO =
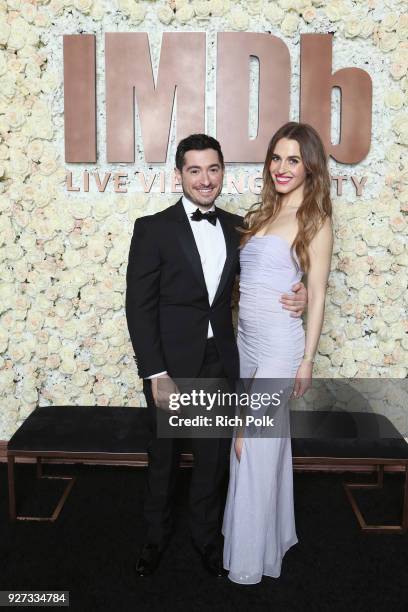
(167, 306)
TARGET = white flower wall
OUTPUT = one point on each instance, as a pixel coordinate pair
(63, 255)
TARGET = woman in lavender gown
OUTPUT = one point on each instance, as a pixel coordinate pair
(287, 235)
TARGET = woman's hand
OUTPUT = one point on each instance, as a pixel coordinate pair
(303, 380)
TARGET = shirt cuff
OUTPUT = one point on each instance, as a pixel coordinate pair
(155, 375)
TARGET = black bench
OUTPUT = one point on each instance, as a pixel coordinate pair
(121, 434)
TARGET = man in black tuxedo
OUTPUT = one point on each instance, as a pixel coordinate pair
(182, 266)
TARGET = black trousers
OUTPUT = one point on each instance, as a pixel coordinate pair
(207, 488)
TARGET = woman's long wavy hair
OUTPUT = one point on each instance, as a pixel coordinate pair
(316, 205)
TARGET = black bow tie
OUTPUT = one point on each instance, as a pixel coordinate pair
(210, 216)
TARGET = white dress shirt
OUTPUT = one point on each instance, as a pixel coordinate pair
(210, 243)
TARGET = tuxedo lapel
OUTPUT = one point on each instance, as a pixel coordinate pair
(231, 244)
(186, 238)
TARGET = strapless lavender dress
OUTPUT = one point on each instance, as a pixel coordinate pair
(259, 522)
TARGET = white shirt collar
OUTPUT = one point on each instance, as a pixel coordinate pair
(190, 208)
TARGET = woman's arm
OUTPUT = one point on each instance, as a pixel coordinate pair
(320, 253)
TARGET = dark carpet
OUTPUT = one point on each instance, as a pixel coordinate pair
(91, 549)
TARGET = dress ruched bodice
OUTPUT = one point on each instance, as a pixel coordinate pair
(271, 342)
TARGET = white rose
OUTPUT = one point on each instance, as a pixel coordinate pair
(402, 27)
(353, 330)
(137, 14)
(367, 27)
(3, 340)
(360, 248)
(7, 381)
(98, 11)
(117, 340)
(338, 297)
(382, 263)
(394, 99)
(238, 20)
(184, 14)
(35, 149)
(108, 328)
(47, 166)
(326, 345)
(111, 371)
(398, 224)
(18, 34)
(69, 331)
(87, 399)
(83, 5)
(100, 347)
(375, 356)
(390, 313)
(72, 258)
(104, 388)
(101, 210)
(349, 368)
(19, 164)
(396, 246)
(42, 19)
(387, 41)
(356, 281)
(309, 14)
(54, 344)
(96, 250)
(15, 117)
(201, 8)
(219, 7)
(80, 379)
(334, 10)
(290, 24)
(398, 70)
(387, 347)
(34, 321)
(117, 301)
(254, 7)
(79, 209)
(367, 296)
(125, 6)
(393, 153)
(14, 252)
(4, 31)
(165, 14)
(8, 88)
(56, 7)
(30, 396)
(16, 352)
(4, 151)
(389, 21)
(352, 28)
(68, 366)
(360, 352)
(116, 257)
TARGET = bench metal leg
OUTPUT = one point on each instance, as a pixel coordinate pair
(12, 495)
(349, 486)
(40, 475)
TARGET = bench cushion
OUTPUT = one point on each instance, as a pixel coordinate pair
(76, 429)
(109, 429)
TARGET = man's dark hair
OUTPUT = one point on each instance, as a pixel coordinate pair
(197, 142)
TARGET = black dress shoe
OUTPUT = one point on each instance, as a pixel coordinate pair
(149, 560)
(211, 558)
